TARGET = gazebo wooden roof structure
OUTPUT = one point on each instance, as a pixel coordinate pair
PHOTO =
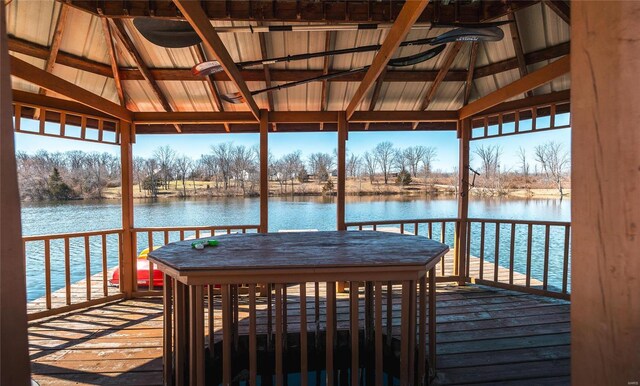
(82, 63)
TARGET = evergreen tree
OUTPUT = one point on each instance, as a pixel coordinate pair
(404, 178)
(58, 189)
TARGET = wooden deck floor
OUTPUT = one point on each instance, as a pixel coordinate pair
(485, 336)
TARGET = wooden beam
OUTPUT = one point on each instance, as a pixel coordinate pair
(404, 116)
(33, 74)
(517, 47)
(55, 104)
(535, 79)
(264, 171)
(239, 117)
(325, 70)
(561, 8)
(605, 178)
(267, 72)
(376, 93)
(200, 118)
(113, 59)
(557, 97)
(14, 351)
(128, 272)
(342, 170)
(446, 65)
(56, 41)
(212, 85)
(126, 41)
(463, 202)
(410, 12)
(340, 11)
(184, 74)
(473, 55)
(193, 12)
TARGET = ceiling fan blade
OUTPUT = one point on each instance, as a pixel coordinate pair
(167, 33)
(207, 68)
(470, 35)
(235, 98)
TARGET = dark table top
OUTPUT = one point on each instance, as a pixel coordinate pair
(334, 249)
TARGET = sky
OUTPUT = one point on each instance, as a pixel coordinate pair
(194, 145)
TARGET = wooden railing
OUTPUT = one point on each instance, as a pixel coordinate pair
(152, 237)
(529, 256)
(439, 229)
(65, 255)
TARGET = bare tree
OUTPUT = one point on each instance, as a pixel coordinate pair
(554, 161)
(400, 160)
(165, 156)
(183, 165)
(222, 153)
(320, 165)
(353, 165)
(138, 171)
(524, 165)
(370, 165)
(383, 153)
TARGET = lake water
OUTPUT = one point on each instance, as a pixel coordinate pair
(284, 213)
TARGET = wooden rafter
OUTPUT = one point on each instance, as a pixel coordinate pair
(410, 12)
(340, 11)
(376, 93)
(529, 82)
(517, 47)
(184, 74)
(446, 65)
(212, 85)
(193, 12)
(561, 8)
(267, 72)
(32, 74)
(56, 42)
(126, 41)
(113, 58)
(325, 70)
(473, 56)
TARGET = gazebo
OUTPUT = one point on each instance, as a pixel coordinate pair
(85, 64)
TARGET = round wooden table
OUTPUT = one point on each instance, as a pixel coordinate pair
(275, 260)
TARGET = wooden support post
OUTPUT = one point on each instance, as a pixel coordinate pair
(264, 171)
(14, 355)
(128, 273)
(342, 169)
(605, 210)
(463, 203)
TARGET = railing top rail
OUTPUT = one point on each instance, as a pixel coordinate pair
(71, 235)
(525, 222)
(194, 228)
(393, 222)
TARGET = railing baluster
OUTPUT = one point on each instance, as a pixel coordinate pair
(565, 265)
(545, 274)
(378, 333)
(105, 288)
(496, 253)
(279, 349)
(212, 321)
(529, 237)
(330, 331)
(253, 346)
(166, 237)
(181, 234)
(468, 257)
(481, 268)
(67, 271)
(304, 351)
(355, 332)
(47, 271)
(87, 260)
(401, 228)
(389, 312)
(430, 230)
(150, 239)
(512, 252)
(416, 228)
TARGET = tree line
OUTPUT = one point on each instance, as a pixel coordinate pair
(235, 170)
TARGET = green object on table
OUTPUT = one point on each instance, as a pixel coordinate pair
(204, 243)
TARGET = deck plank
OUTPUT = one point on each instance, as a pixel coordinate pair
(485, 335)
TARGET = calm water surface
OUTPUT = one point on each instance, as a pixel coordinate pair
(284, 213)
